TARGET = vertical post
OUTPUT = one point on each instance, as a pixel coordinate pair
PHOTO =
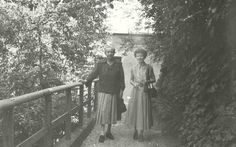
(89, 102)
(68, 109)
(95, 96)
(48, 142)
(81, 109)
(8, 128)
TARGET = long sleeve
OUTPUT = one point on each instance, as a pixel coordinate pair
(132, 77)
(111, 77)
(93, 74)
(122, 78)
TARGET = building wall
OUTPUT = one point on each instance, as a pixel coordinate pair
(138, 40)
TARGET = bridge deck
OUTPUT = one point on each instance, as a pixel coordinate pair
(123, 138)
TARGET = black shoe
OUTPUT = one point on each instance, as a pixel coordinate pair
(140, 138)
(135, 136)
(101, 138)
(110, 136)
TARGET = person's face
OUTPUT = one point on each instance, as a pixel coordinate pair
(140, 57)
(110, 53)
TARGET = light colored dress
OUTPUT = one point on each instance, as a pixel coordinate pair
(138, 112)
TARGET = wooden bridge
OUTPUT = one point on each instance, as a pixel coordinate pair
(73, 136)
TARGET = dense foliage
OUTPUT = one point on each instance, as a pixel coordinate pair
(42, 44)
(194, 39)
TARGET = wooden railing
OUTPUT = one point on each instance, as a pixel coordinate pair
(45, 133)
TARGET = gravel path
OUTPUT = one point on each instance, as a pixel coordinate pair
(123, 138)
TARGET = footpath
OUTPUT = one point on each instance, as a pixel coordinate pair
(124, 138)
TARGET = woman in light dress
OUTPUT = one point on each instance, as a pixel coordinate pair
(139, 109)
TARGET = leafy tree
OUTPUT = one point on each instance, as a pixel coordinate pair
(40, 43)
(195, 83)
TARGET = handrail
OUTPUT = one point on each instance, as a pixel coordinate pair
(11, 102)
(7, 107)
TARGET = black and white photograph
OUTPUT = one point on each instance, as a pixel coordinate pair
(117, 73)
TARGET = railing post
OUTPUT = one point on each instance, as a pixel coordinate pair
(8, 127)
(68, 109)
(95, 96)
(89, 102)
(48, 142)
(81, 109)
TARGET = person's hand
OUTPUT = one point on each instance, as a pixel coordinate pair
(85, 82)
(82, 81)
(136, 84)
(141, 84)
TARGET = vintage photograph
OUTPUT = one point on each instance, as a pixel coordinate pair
(117, 73)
